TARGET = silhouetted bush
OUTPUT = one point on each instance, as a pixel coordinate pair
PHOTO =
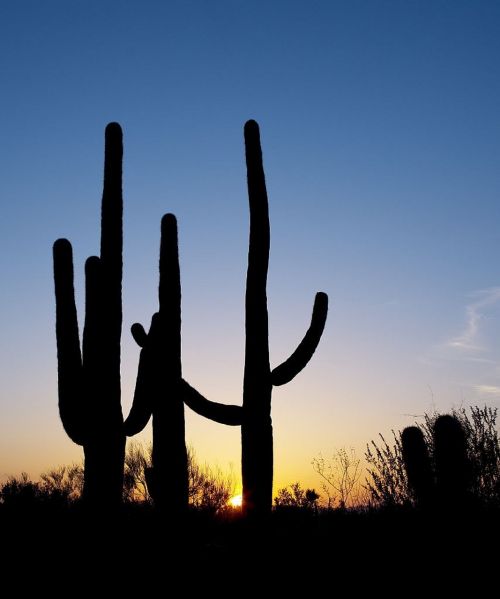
(295, 497)
(340, 476)
(56, 490)
(67, 481)
(387, 479)
(209, 488)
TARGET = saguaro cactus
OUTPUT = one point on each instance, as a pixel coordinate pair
(417, 464)
(451, 460)
(89, 379)
(160, 390)
(259, 379)
(158, 386)
(448, 483)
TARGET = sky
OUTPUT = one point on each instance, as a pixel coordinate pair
(380, 132)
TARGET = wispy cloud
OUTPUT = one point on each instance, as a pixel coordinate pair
(468, 339)
(488, 389)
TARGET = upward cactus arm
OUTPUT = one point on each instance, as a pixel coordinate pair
(68, 343)
(289, 369)
(139, 334)
(142, 405)
(91, 342)
(221, 413)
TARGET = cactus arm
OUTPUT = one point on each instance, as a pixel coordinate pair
(286, 371)
(139, 334)
(92, 329)
(222, 413)
(68, 344)
(142, 404)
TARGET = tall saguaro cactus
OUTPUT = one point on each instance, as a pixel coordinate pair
(259, 379)
(89, 379)
(158, 386)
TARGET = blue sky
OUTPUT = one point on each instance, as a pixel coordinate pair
(380, 130)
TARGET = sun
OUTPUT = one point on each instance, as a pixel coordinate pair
(236, 501)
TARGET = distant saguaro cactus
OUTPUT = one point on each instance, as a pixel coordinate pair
(453, 470)
(259, 379)
(89, 379)
(417, 464)
(448, 484)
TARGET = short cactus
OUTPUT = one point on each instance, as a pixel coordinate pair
(417, 465)
(448, 483)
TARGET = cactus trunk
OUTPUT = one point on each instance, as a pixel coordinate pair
(158, 388)
(256, 429)
(170, 468)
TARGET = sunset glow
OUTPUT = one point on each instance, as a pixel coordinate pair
(236, 501)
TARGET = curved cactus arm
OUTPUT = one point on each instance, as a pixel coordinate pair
(218, 412)
(142, 404)
(139, 334)
(286, 371)
(68, 343)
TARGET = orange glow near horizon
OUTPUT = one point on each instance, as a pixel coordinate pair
(236, 501)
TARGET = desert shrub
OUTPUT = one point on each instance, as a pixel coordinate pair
(340, 475)
(295, 497)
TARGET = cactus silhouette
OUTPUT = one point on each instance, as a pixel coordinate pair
(160, 390)
(451, 462)
(417, 464)
(448, 485)
(89, 379)
(259, 379)
(158, 386)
